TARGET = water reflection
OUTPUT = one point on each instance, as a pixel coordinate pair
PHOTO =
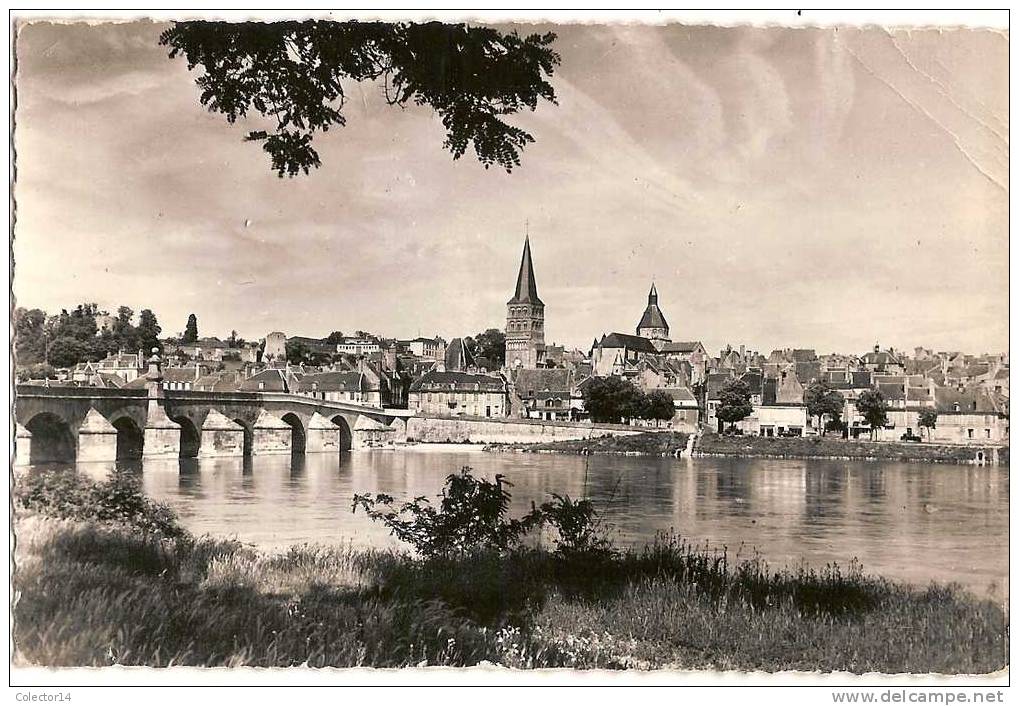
(910, 521)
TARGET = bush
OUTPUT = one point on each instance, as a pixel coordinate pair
(117, 500)
(471, 518)
(577, 525)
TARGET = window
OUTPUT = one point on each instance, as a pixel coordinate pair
(969, 433)
(987, 433)
(261, 385)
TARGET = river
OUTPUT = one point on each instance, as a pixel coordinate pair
(914, 522)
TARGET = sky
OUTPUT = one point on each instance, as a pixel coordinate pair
(823, 188)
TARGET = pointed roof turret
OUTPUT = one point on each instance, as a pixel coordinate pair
(653, 316)
(527, 288)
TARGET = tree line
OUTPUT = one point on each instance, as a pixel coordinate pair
(44, 342)
(617, 400)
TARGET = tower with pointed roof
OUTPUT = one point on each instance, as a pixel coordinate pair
(653, 324)
(525, 319)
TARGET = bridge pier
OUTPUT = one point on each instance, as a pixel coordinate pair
(221, 436)
(97, 438)
(162, 434)
(321, 436)
(270, 436)
(22, 446)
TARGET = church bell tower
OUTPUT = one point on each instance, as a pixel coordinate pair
(525, 319)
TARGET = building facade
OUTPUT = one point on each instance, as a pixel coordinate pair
(457, 394)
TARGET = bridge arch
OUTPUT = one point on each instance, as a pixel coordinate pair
(130, 438)
(299, 437)
(190, 436)
(53, 441)
(345, 436)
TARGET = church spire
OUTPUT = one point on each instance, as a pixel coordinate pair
(652, 296)
(527, 288)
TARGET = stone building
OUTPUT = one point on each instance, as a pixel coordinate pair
(455, 394)
(545, 393)
(525, 319)
(275, 346)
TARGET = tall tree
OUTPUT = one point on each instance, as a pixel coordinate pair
(822, 401)
(293, 73)
(191, 330)
(928, 419)
(491, 344)
(124, 332)
(335, 337)
(30, 336)
(658, 405)
(612, 399)
(734, 403)
(872, 407)
(148, 331)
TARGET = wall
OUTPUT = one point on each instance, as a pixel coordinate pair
(462, 429)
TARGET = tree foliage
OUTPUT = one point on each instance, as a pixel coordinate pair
(658, 405)
(191, 330)
(928, 419)
(490, 344)
(73, 337)
(30, 336)
(612, 399)
(822, 401)
(471, 517)
(147, 331)
(734, 402)
(872, 407)
(293, 73)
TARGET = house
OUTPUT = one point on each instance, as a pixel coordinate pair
(126, 366)
(881, 361)
(455, 393)
(340, 386)
(352, 345)
(712, 396)
(545, 393)
(269, 380)
(691, 352)
(430, 348)
(616, 352)
(687, 411)
(970, 415)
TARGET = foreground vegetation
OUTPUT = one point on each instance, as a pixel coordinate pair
(98, 588)
(658, 443)
(837, 447)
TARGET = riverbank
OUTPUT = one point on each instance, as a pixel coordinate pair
(660, 443)
(115, 580)
(834, 447)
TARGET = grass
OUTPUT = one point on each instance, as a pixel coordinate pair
(97, 593)
(662, 443)
(837, 447)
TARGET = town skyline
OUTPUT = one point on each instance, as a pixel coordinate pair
(747, 221)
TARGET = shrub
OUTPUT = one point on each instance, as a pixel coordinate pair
(470, 517)
(117, 500)
(577, 525)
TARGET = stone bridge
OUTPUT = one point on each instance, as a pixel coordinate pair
(98, 424)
